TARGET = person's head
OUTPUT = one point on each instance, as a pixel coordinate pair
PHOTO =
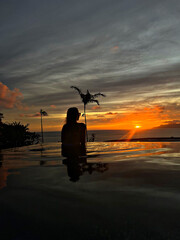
(72, 115)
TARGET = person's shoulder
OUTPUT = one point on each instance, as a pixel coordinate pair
(82, 125)
(64, 126)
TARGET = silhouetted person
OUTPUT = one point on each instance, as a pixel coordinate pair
(73, 135)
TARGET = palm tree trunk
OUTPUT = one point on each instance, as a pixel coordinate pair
(42, 130)
(85, 121)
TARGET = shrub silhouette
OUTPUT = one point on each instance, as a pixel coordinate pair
(16, 135)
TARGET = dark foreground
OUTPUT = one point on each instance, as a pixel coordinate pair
(135, 197)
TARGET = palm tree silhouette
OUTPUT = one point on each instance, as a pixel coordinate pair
(43, 113)
(88, 98)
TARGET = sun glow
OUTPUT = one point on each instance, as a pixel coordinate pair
(137, 126)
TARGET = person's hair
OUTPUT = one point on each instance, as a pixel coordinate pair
(72, 115)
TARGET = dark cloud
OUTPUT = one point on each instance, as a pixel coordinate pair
(32, 115)
(111, 113)
(170, 124)
(173, 122)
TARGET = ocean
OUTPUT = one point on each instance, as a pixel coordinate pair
(104, 135)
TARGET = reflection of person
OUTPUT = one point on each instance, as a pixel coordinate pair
(73, 135)
(76, 167)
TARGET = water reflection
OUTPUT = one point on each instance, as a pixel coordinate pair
(77, 166)
(98, 153)
(121, 150)
(3, 172)
(42, 162)
(76, 162)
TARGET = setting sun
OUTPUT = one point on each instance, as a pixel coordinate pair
(137, 126)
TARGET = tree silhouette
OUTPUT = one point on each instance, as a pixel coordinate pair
(43, 113)
(16, 135)
(87, 98)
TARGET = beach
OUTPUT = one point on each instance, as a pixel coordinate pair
(120, 191)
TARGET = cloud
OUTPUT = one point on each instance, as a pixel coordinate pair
(111, 113)
(95, 107)
(52, 106)
(173, 122)
(147, 117)
(170, 124)
(10, 98)
(30, 115)
(114, 49)
(154, 109)
(34, 115)
(44, 56)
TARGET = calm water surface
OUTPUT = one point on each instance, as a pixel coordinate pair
(49, 154)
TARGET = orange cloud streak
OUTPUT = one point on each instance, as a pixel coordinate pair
(52, 106)
(95, 107)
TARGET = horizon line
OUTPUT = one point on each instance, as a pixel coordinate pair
(114, 129)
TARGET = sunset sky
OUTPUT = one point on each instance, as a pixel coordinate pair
(126, 49)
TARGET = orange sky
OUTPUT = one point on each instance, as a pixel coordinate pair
(146, 118)
(108, 116)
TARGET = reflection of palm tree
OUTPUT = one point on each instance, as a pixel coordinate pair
(43, 113)
(76, 167)
(88, 98)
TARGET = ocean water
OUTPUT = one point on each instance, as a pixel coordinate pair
(104, 135)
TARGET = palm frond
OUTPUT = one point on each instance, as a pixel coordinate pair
(76, 88)
(93, 100)
(99, 94)
(43, 113)
(88, 97)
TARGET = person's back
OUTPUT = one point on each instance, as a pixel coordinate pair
(73, 135)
